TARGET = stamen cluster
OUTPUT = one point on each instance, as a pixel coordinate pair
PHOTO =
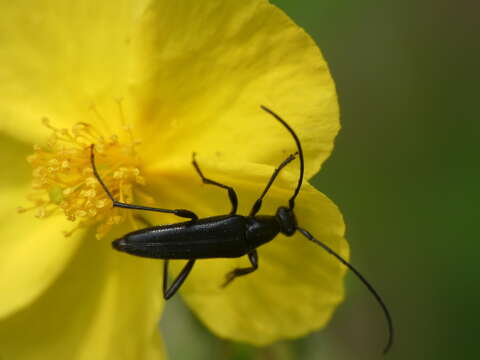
(63, 178)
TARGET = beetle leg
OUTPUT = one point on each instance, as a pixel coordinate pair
(258, 204)
(231, 192)
(170, 291)
(179, 212)
(253, 257)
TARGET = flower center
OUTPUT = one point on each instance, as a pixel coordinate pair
(63, 179)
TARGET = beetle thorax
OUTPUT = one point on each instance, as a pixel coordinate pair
(287, 221)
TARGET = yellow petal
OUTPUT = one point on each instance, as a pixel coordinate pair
(105, 306)
(208, 67)
(15, 169)
(32, 252)
(297, 286)
(58, 59)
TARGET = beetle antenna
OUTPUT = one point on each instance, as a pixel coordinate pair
(291, 202)
(365, 282)
(97, 175)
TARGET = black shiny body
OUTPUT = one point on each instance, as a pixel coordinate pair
(226, 236)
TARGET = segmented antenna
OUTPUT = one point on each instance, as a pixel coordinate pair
(291, 202)
(365, 282)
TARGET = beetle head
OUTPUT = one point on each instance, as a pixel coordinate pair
(286, 220)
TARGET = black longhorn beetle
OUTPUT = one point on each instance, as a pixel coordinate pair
(223, 236)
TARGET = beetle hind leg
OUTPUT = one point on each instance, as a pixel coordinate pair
(168, 292)
(253, 257)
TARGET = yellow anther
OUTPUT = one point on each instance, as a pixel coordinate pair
(68, 191)
(36, 184)
(37, 172)
(135, 171)
(91, 181)
(81, 213)
(32, 158)
(87, 171)
(100, 203)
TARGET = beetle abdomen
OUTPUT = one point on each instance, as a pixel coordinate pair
(213, 237)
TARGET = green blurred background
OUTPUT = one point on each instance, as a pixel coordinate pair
(405, 173)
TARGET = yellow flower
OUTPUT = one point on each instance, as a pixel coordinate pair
(150, 82)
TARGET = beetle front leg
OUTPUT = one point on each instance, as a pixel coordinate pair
(253, 257)
(178, 212)
(169, 292)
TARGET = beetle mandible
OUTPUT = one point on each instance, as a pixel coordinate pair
(223, 236)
